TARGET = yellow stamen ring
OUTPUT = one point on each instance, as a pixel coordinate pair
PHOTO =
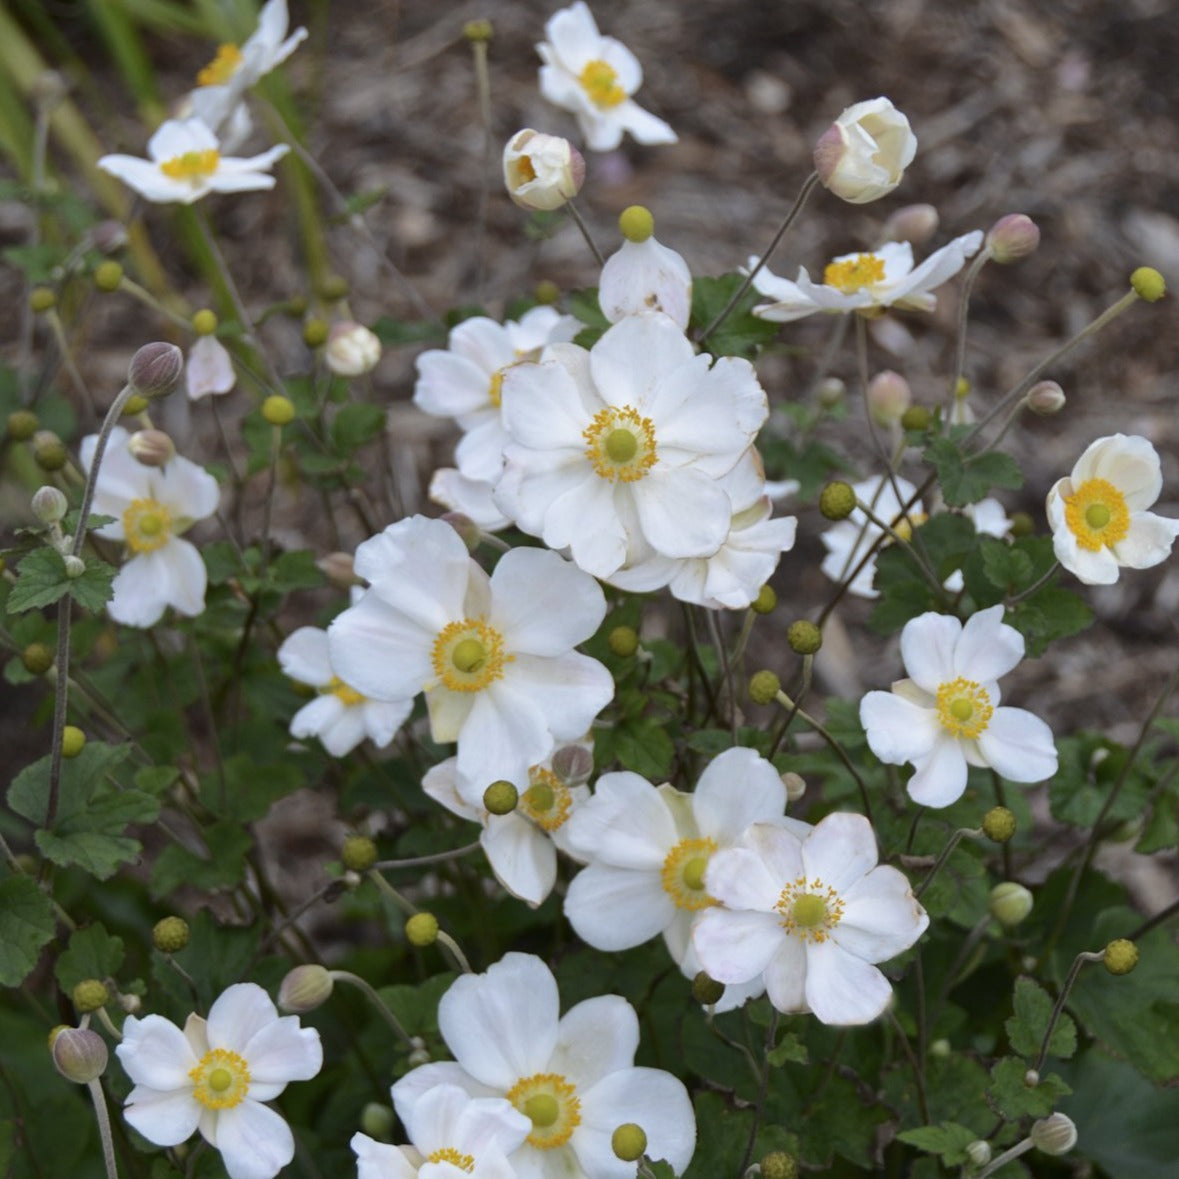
(468, 655)
(448, 1154)
(964, 708)
(552, 1104)
(223, 66)
(147, 525)
(853, 274)
(192, 165)
(1097, 515)
(809, 911)
(350, 697)
(547, 801)
(221, 1079)
(620, 444)
(600, 81)
(682, 875)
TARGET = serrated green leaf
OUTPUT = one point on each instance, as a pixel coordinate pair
(949, 1140)
(355, 425)
(967, 479)
(92, 590)
(395, 333)
(742, 333)
(644, 748)
(1162, 829)
(92, 953)
(1006, 567)
(29, 793)
(229, 843)
(27, 923)
(41, 581)
(789, 1050)
(1049, 614)
(1026, 1027)
(155, 779)
(295, 571)
(1015, 1098)
(93, 839)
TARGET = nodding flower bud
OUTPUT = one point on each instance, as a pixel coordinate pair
(1011, 238)
(155, 369)
(764, 687)
(573, 764)
(170, 935)
(49, 504)
(352, 350)
(305, 988)
(542, 172)
(795, 785)
(1045, 398)
(1148, 284)
(864, 153)
(888, 397)
(109, 236)
(378, 1121)
(500, 798)
(151, 448)
(1055, 1134)
(79, 1054)
(1010, 903)
(831, 391)
(979, 1152)
(1120, 956)
(914, 224)
(629, 1142)
(837, 501)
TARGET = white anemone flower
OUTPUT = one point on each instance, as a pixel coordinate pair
(946, 715)
(542, 171)
(208, 369)
(647, 849)
(848, 541)
(186, 164)
(494, 656)
(450, 488)
(339, 715)
(464, 380)
(214, 1076)
(151, 507)
(594, 77)
(1098, 512)
(867, 282)
(450, 1135)
(617, 452)
(645, 276)
(810, 915)
(573, 1076)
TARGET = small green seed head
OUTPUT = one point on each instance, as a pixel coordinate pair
(37, 658)
(916, 417)
(837, 500)
(764, 687)
(204, 322)
(49, 452)
(706, 990)
(378, 1121)
(1148, 284)
(22, 425)
(547, 292)
(623, 641)
(999, 824)
(42, 299)
(765, 601)
(108, 275)
(421, 930)
(629, 1142)
(359, 853)
(90, 994)
(1022, 524)
(478, 31)
(170, 935)
(305, 988)
(779, 1165)
(500, 798)
(278, 410)
(1121, 956)
(316, 332)
(636, 223)
(804, 637)
(73, 741)
(333, 288)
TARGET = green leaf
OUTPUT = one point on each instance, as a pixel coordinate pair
(1025, 1029)
(94, 839)
(29, 793)
(355, 425)
(789, 1050)
(1005, 566)
(1049, 614)
(41, 580)
(1162, 829)
(949, 1140)
(967, 479)
(92, 953)
(644, 748)
(1015, 1098)
(27, 923)
(742, 333)
(584, 305)
(1088, 769)
(93, 590)
(394, 333)
(229, 843)
(295, 571)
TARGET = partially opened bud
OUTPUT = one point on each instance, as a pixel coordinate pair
(155, 369)
(1046, 398)
(888, 397)
(573, 764)
(352, 350)
(79, 1054)
(1010, 903)
(864, 153)
(151, 448)
(1056, 1134)
(305, 988)
(49, 504)
(1012, 237)
(542, 171)
(914, 224)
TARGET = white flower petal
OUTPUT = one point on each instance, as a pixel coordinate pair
(987, 648)
(785, 976)
(840, 850)
(626, 824)
(1018, 746)
(941, 777)
(303, 656)
(927, 648)
(1147, 543)
(521, 856)
(379, 652)
(897, 729)
(595, 1038)
(635, 355)
(738, 788)
(617, 908)
(544, 605)
(378, 1160)
(165, 1117)
(238, 1014)
(881, 917)
(682, 513)
(737, 946)
(254, 1141)
(410, 1089)
(154, 1053)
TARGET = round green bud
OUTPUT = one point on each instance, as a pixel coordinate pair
(478, 31)
(1010, 903)
(49, 504)
(90, 994)
(37, 658)
(778, 1165)
(1148, 284)
(170, 935)
(333, 288)
(916, 417)
(42, 299)
(547, 292)
(831, 391)
(422, 930)
(316, 332)
(962, 388)
(49, 452)
(108, 275)
(629, 1142)
(1121, 956)
(79, 1054)
(765, 601)
(804, 637)
(204, 322)
(378, 1121)
(837, 500)
(73, 741)
(624, 641)
(305, 988)
(22, 425)
(500, 798)
(1055, 1134)
(764, 687)
(134, 405)
(979, 1152)
(636, 223)
(359, 853)
(1022, 524)
(706, 990)
(940, 1048)
(278, 410)
(999, 824)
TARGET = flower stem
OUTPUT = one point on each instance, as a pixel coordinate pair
(571, 208)
(103, 1117)
(1079, 961)
(1008, 1156)
(435, 858)
(346, 976)
(951, 843)
(979, 261)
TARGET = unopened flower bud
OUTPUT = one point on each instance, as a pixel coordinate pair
(352, 350)
(305, 988)
(1045, 398)
(864, 153)
(49, 504)
(629, 1142)
(22, 425)
(170, 935)
(49, 452)
(204, 322)
(940, 1048)
(74, 566)
(1011, 238)
(779, 1165)
(1055, 1134)
(888, 397)
(37, 658)
(42, 299)
(1022, 524)
(339, 569)
(1148, 284)
(1120, 956)
(333, 287)
(573, 764)
(804, 637)
(979, 1153)
(795, 785)
(765, 601)
(914, 224)
(79, 1054)
(547, 292)
(419, 1054)
(706, 990)
(764, 687)
(830, 392)
(377, 1121)
(131, 1004)
(73, 741)
(500, 798)
(359, 853)
(916, 417)
(422, 930)
(837, 501)
(315, 332)
(635, 223)
(999, 824)
(151, 448)
(155, 369)
(623, 641)
(108, 275)
(109, 236)
(278, 410)
(542, 172)
(1010, 903)
(468, 530)
(1031, 1078)
(90, 994)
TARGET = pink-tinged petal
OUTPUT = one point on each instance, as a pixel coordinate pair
(378, 1160)
(881, 917)
(304, 656)
(595, 1038)
(1148, 541)
(254, 1141)
(736, 947)
(617, 908)
(420, 567)
(155, 1053)
(634, 356)
(543, 408)
(238, 1014)
(988, 647)
(521, 856)
(208, 369)
(738, 788)
(379, 652)
(941, 777)
(626, 824)
(1129, 462)
(840, 850)
(842, 989)
(166, 1117)
(682, 513)
(569, 690)
(283, 1051)
(1018, 746)
(502, 1025)
(421, 1080)
(542, 604)
(653, 1098)
(897, 729)
(785, 976)
(927, 649)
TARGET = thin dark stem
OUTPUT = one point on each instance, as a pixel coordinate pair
(571, 209)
